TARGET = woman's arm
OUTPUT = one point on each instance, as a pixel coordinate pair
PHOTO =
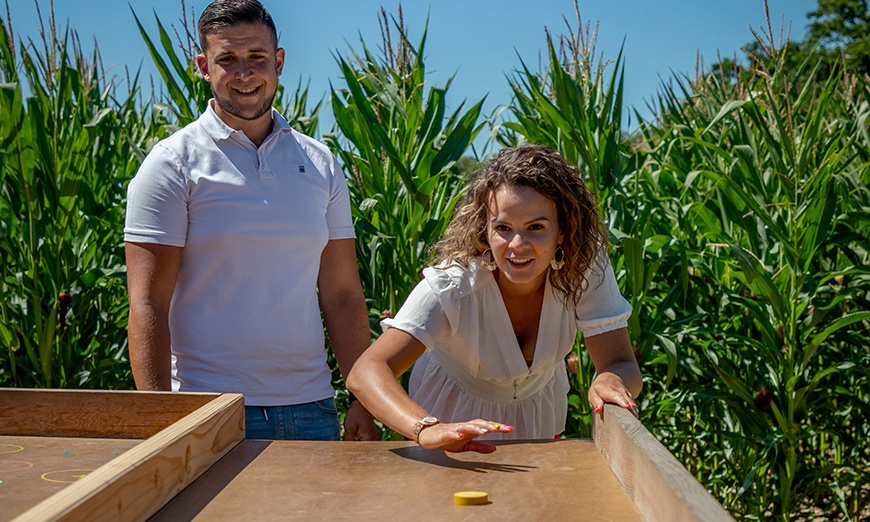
(373, 380)
(618, 380)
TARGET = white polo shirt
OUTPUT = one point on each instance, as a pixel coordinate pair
(253, 222)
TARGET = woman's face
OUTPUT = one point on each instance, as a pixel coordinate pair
(523, 231)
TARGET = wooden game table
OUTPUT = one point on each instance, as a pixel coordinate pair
(96, 455)
(289, 480)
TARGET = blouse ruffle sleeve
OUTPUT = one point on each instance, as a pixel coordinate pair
(441, 308)
(421, 316)
(602, 308)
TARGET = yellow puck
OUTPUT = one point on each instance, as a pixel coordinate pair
(470, 498)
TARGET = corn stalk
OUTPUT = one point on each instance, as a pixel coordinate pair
(400, 149)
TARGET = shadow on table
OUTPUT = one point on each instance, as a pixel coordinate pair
(201, 492)
(444, 459)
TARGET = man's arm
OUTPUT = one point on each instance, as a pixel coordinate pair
(151, 274)
(347, 323)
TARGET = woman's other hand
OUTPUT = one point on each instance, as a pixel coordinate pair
(619, 380)
(609, 387)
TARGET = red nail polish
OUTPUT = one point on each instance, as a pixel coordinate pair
(461, 435)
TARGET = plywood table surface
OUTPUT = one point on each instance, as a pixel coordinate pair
(298, 480)
(35, 468)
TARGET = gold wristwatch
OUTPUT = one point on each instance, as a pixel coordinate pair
(422, 424)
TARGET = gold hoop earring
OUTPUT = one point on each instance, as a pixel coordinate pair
(558, 260)
(490, 264)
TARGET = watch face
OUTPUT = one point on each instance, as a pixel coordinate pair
(428, 421)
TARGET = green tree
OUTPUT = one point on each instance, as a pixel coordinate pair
(838, 37)
(843, 27)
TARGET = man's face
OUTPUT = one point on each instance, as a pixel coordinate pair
(242, 66)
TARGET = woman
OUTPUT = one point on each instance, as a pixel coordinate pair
(522, 267)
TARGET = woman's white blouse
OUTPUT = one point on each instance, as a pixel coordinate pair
(473, 366)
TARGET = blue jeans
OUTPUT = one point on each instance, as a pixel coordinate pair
(312, 421)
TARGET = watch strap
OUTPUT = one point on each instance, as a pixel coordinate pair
(422, 424)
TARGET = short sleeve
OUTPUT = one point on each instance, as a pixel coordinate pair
(421, 316)
(338, 216)
(602, 308)
(157, 201)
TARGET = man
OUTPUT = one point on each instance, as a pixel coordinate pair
(235, 225)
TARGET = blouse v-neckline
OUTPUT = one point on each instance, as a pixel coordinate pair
(507, 336)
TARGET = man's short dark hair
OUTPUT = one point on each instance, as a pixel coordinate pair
(228, 13)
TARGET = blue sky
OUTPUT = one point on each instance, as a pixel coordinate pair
(480, 41)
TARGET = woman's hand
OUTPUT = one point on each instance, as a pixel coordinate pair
(460, 436)
(609, 387)
(618, 380)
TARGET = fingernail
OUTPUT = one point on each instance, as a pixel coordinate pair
(628, 405)
(509, 428)
(460, 435)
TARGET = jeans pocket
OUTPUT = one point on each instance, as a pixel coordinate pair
(259, 424)
(327, 406)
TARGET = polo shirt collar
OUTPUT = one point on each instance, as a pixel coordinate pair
(280, 125)
(219, 130)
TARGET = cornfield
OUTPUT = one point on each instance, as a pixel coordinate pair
(739, 218)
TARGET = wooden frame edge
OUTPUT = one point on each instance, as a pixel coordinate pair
(658, 484)
(136, 484)
(119, 414)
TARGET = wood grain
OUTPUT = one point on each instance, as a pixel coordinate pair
(561, 480)
(137, 483)
(659, 485)
(93, 413)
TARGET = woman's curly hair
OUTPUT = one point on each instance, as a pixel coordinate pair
(546, 171)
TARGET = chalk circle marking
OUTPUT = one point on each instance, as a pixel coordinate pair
(10, 448)
(92, 454)
(7, 466)
(66, 475)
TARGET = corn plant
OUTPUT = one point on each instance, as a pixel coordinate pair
(777, 207)
(400, 147)
(64, 150)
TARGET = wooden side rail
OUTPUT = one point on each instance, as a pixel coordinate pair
(137, 483)
(659, 486)
(93, 413)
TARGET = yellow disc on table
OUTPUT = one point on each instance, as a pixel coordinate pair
(470, 498)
